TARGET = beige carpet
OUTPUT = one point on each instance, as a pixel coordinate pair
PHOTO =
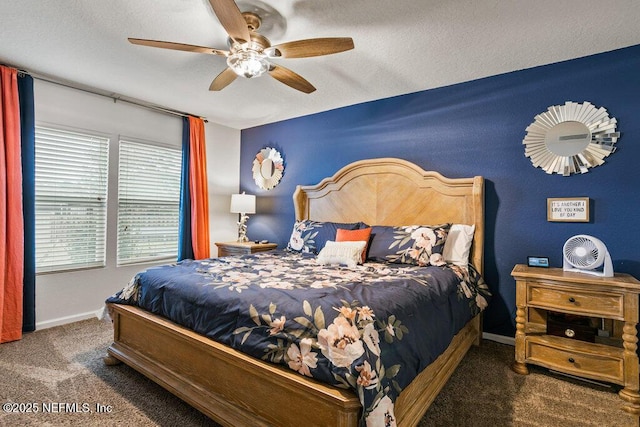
(58, 371)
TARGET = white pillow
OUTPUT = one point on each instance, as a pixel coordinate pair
(349, 253)
(458, 244)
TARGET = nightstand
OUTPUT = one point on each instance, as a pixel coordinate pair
(243, 248)
(612, 301)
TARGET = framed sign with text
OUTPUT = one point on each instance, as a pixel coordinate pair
(571, 209)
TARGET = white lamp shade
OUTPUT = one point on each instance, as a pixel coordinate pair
(243, 203)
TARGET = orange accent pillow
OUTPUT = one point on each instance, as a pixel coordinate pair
(361, 235)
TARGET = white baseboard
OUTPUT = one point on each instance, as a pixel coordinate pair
(499, 338)
(67, 319)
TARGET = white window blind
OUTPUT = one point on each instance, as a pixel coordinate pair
(71, 199)
(148, 202)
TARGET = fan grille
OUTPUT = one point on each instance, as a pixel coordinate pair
(582, 251)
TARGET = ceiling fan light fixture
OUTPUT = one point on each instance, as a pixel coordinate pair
(249, 52)
(248, 62)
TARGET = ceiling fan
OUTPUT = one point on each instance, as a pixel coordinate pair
(249, 52)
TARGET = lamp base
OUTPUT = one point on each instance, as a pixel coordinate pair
(242, 228)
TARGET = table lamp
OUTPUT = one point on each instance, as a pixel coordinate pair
(243, 204)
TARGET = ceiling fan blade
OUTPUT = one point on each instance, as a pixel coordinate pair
(288, 77)
(311, 47)
(223, 79)
(231, 19)
(179, 46)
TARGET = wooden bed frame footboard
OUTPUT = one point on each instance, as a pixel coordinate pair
(238, 390)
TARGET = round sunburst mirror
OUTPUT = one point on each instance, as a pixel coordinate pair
(570, 138)
(268, 168)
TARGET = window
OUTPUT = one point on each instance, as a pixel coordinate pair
(148, 202)
(71, 199)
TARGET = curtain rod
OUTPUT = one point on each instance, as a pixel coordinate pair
(113, 96)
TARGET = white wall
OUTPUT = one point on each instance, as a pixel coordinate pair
(71, 296)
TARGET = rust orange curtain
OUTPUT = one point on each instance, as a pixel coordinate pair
(11, 219)
(199, 189)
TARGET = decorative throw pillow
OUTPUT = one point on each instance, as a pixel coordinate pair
(344, 253)
(412, 244)
(310, 236)
(362, 234)
(458, 245)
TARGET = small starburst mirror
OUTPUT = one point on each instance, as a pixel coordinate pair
(268, 168)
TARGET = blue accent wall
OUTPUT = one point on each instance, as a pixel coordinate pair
(477, 128)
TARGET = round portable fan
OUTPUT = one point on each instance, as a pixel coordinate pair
(586, 254)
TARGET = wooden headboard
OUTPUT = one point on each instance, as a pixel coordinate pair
(389, 191)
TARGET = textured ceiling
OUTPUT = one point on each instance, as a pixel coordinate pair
(401, 46)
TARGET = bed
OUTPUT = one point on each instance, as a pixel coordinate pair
(236, 389)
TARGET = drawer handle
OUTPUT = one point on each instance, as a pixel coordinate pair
(572, 360)
(572, 299)
(570, 333)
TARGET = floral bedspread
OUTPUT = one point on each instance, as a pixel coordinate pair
(372, 328)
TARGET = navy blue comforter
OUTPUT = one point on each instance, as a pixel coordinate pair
(372, 329)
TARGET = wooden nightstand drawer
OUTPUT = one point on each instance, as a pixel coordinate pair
(598, 365)
(227, 250)
(601, 304)
(243, 248)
